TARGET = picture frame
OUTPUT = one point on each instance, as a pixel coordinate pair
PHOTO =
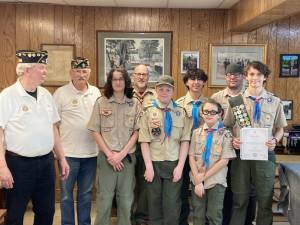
(288, 109)
(129, 49)
(289, 65)
(220, 56)
(59, 63)
(189, 59)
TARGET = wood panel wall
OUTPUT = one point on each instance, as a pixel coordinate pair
(25, 26)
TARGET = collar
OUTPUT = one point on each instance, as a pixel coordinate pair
(189, 99)
(22, 92)
(215, 127)
(226, 93)
(76, 91)
(172, 105)
(124, 100)
(263, 95)
(147, 91)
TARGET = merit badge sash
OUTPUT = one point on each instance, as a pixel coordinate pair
(239, 110)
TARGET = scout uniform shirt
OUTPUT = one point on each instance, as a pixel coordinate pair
(75, 108)
(221, 148)
(27, 122)
(146, 98)
(152, 131)
(116, 122)
(272, 114)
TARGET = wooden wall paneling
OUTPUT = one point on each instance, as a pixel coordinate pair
(142, 19)
(293, 84)
(175, 54)
(272, 58)
(103, 18)
(58, 24)
(282, 45)
(200, 36)
(185, 25)
(7, 45)
(89, 40)
(216, 32)
(78, 23)
(154, 19)
(68, 25)
(35, 25)
(121, 19)
(22, 26)
(131, 16)
(252, 37)
(239, 38)
(227, 34)
(165, 19)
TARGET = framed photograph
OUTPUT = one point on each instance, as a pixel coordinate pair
(288, 109)
(220, 56)
(289, 65)
(129, 49)
(59, 63)
(189, 59)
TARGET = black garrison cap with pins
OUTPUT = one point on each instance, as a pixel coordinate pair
(80, 63)
(31, 56)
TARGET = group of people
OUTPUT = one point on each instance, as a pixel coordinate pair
(139, 145)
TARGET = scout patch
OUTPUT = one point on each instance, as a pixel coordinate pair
(240, 111)
(75, 102)
(178, 113)
(155, 123)
(106, 112)
(130, 103)
(270, 100)
(156, 131)
(25, 108)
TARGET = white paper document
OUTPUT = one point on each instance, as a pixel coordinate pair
(253, 145)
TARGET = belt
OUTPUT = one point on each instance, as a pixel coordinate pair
(10, 153)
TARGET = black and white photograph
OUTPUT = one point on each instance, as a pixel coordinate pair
(222, 56)
(127, 50)
(288, 109)
(189, 60)
(289, 65)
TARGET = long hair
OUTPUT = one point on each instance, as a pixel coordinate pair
(108, 89)
(261, 67)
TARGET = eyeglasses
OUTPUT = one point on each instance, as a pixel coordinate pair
(235, 75)
(210, 112)
(141, 74)
(120, 80)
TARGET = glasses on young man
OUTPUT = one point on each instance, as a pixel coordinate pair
(210, 112)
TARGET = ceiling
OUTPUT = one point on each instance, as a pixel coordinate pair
(139, 3)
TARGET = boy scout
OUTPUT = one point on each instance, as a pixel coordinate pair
(114, 127)
(264, 110)
(210, 151)
(194, 80)
(234, 80)
(164, 136)
(145, 95)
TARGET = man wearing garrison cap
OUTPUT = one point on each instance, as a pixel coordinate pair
(28, 135)
(75, 102)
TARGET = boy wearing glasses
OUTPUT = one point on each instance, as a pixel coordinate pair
(209, 153)
(194, 80)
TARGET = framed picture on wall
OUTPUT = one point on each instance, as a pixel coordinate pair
(189, 59)
(59, 63)
(220, 56)
(129, 49)
(288, 109)
(289, 65)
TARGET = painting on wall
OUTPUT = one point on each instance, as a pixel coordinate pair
(189, 60)
(129, 49)
(289, 65)
(288, 109)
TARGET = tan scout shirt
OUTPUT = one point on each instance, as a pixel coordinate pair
(221, 149)
(272, 114)
(116, 122)
(187, 103)
(146, 98)
(222, 98)
(162, 148)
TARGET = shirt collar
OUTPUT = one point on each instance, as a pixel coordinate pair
(171, 105)
(190, 100)
(87, 92)
(215, 127)
(22, 92)
(147, 91)
(263, 95)
(125, 100)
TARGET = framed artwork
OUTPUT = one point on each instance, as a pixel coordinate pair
(289, 65)
(129, 49)
(189, 59)
(59, 63)
(288, 109)
(220, 56)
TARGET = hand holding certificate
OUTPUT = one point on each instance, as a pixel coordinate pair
(253, 145)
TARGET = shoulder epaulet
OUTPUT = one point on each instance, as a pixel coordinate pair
(272, 94)
(181, 99)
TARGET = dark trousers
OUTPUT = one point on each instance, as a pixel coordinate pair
(228, 203)
(34, 179)
(185, 192)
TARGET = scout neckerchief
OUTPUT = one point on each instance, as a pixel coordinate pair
(167, 118)
(195, 114)
(257, 109)
(239, 110)
(208, 144)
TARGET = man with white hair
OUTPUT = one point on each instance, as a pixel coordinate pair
(28, 134)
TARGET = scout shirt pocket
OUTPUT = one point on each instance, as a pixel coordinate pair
(177, 128)
(106, 119)
(267, 118)
(129, 120)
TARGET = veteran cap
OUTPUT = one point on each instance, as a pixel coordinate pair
(30, 56)
(165, 79)
(233, 68)
(80, 63)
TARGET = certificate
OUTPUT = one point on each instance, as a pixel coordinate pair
(253, 145)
